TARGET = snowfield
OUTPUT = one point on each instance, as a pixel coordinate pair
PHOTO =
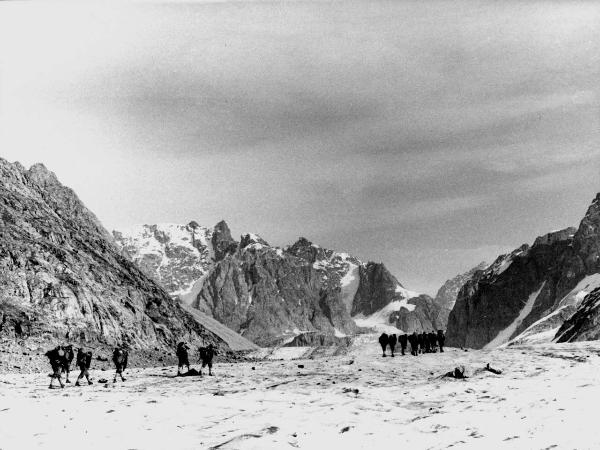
(546, 397)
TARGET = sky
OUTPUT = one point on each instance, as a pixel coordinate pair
(426, 135)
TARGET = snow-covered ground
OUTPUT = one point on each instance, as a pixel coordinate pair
(546, 397)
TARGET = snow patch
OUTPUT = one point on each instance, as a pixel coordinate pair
(380, 320)
(338, 333)
(407, 294)
(349, 285)
(583, 288)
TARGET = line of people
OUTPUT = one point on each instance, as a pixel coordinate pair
(419, 342)
(61, 358)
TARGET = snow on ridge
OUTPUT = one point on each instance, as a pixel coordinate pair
(379, 320)
(151, 245)
(407, 294)
(573, 298)
(504, 335)
(349, 285)
(583, 288)
(338, 333)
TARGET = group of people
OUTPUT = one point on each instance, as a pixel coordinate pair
(419, 342)
(61, 358)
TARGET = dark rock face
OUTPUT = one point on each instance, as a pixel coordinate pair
(222, 242)
(542, 277)
(265, 294)
(423, 317)
(446, 295)
(62, 277)
(268, 294)
(584, 325)
(377, 288)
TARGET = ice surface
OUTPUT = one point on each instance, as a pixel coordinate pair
(546, 397)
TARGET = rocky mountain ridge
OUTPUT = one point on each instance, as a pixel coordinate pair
(527, 295)
(271, 294)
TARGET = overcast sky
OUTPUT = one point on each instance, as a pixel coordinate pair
(427, 135)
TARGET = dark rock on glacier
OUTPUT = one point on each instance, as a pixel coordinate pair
(63, 279)
(529, 292)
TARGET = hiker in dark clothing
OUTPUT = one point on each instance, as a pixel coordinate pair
(68, 359)
(84, 361)
(414, 343)
(432, 341)
(206, 356)
(383, 341)
(183, 357)
(120, 357)
(421, 343)
(392, 340)
(403, 339)
(441, 338)
(57, 362)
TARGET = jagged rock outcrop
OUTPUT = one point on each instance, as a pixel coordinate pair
(63, 279)
(446, 295)
(584, 325)
(222, 242)
(526, 295)
(266, 294)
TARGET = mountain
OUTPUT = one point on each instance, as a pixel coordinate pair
(177, 256)
(446, 295)
(271, 294)
(527, 295)
(62, 278)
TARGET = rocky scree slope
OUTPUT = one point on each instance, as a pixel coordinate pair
(272, 294)
(63, 279)
(527, 295)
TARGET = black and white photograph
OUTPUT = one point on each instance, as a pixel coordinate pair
(299, 224)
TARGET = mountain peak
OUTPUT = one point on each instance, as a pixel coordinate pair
(222, 241)
(252, 238)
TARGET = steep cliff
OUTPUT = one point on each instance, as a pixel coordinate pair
(525, 296)
(446, 295)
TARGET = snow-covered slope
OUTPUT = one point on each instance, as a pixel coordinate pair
(177, 256)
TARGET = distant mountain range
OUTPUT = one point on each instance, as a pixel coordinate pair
(271, 294)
